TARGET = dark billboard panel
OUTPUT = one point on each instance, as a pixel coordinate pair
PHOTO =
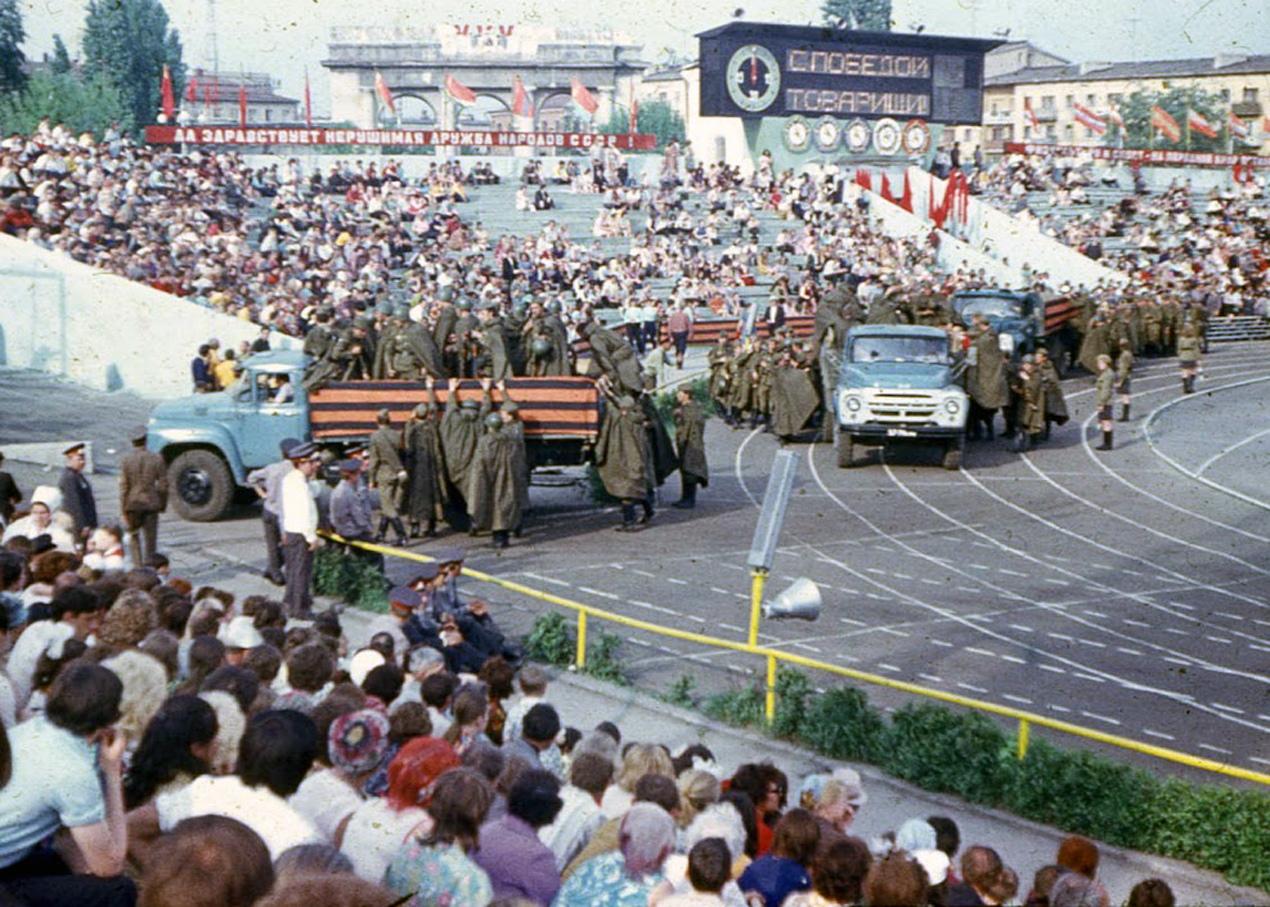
(755, 70)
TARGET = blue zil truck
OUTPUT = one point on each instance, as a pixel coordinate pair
(898, 383)
(1024, 322)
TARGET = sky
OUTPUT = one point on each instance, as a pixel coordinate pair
(284, 37)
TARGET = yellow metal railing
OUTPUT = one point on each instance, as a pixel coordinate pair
(774, 656)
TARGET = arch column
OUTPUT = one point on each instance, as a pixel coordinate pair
(604, 112)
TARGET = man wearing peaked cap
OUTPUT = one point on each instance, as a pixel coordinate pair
(351, 512)
(143, 495)
(299, 521)
(77, 494)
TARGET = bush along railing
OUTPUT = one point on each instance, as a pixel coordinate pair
(944, 749)
(340, 574)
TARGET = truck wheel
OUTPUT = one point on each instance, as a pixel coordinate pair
(846, 451)
(952, 454)
(202, 487)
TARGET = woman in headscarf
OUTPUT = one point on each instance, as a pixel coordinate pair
(624, 877)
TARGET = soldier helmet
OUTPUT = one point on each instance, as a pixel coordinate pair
(1028, 359)
(470, 403)
(626, 401)
(540, 348)
(510, 406)
(383, 416)
(493, 420)
(446, 294)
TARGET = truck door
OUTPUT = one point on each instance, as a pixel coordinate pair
(265, 417)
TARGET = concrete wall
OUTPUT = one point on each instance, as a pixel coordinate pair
(100, 330)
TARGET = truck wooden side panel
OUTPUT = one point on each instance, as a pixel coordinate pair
(1059, 311)
(551, 408)
(707, 331)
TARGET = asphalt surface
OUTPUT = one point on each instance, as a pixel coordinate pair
(1127, 592)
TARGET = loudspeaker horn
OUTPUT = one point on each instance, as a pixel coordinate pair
(800, 600)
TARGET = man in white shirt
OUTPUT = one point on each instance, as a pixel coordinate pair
(299, 518)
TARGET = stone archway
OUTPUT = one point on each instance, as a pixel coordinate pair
(415, 110)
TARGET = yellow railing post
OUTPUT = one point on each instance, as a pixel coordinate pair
(580, 661)
(756, 603)
(769, 707)
(1024, 731)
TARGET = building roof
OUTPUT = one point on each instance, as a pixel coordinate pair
(1145, 69)
(260, 87)
(759, 30)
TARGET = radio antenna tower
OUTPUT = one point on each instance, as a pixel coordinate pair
(213, 53)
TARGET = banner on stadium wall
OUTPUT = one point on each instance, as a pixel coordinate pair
(453, 138)
(1143, 155)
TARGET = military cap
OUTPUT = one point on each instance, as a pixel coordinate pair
(404, 598)
(138, 433)
(302, 450)
(449, 555)
(286, 445)
(77, 446)
(428, 571)
(350, 465)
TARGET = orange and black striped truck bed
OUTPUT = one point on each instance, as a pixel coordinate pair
(551, 408)
(707, 331)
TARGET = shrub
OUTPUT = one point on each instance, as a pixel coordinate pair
(340, 574)
(793, 690)
(954, 752)
(681, 692)
(740, 707)
(551, 640)
(842, 724)
(602, 659)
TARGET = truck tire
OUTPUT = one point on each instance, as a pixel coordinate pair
(202, 487)
(952, 454)
(846, 450)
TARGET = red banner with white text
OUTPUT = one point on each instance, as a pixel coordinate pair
(1172, 158)
(452, 138)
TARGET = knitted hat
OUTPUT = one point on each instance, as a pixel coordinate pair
(358, 741)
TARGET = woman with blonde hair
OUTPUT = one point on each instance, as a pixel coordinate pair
(641, 759)
(697, 790)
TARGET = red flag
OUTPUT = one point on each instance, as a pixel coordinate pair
(584, 98)
(308, 102)
(634, 114)
(242, 105)
(906, 199)
(1031, 115)
(458, 91)
(1094, 122)
(1196, 123)
(381, 89)
(1162, 120)
(165, 89)
(1238, 128)
(1265, 124)
(521, 105)
(191, 90)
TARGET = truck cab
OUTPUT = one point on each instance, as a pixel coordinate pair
(895, 383)
(1018, 318)
(211, 441)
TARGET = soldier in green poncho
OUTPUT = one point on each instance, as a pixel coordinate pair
(425, 462)
(624, 460)
(494, 481)
(690, 426)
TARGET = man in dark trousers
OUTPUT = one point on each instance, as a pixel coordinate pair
(299, 530)
(10, 494)
(77, 493)
(143, 495)
(268, 484)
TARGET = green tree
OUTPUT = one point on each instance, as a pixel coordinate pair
(12, 34)
(87, 104)
(656, 117)
(857, 15)
(127, 42)
(61, 62)
(1136, 111)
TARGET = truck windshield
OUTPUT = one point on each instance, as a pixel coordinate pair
(899, 349)
(990, 306)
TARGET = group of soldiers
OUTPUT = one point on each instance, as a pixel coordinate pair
(462, 462)
(450, 337)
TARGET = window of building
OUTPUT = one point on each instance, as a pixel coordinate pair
(253, 115)
(1224, 94)
(1027, 100)
(995, 111)
(1114, 97)
(1051, 132)
(1068, 132)
(1250, 95)
(1071, 100)
(1047, 102)
(1090, 100)
(268, 114)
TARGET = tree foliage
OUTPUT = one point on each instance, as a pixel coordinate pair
(857, 15)
(127, 42)
(656, 117)
(12, 34)
(87, 104)
(61, 62)
(1136, 113)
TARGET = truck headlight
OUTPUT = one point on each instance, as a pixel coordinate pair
(952, 406)
(852, 403)
(1006, 342)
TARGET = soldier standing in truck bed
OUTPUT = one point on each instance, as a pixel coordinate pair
(388, 475)
(425, 462)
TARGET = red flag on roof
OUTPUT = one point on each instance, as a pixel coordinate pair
(308, 102)
(385, 95)
(242, 105)
(583, 98)
(1196, 122)
(191, 90)
(165, 89)
(1238, 128)
(1162, 120)
(1094, 122)
(458, 91)
(634, 114)
(521, 105)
